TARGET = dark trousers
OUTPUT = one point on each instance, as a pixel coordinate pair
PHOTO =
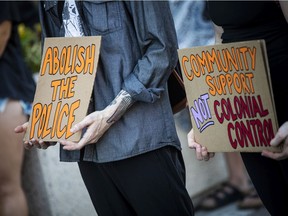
(270, 178)
(151, 184)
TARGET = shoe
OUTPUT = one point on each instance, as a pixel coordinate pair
(222, 196)
(250, 201)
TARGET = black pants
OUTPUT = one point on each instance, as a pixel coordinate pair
(151, 184)
(270, 178)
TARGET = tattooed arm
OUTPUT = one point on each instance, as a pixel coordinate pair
(122, 102)
(99, 122)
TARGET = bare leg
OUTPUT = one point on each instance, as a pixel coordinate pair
(12, 198)
(239, 179)
(237, 172)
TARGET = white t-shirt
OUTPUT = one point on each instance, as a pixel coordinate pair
(71, 20)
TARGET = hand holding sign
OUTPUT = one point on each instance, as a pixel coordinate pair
(99, 122)
(281, 137)
(201, 151)
(230, 98)
(65, 83)
(29, 144)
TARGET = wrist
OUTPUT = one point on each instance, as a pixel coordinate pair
(119, 106)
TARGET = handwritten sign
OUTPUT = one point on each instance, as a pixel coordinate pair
(64, 87)
(229, 94)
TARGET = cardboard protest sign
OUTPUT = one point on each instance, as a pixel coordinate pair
(64, 87)
(230, 97)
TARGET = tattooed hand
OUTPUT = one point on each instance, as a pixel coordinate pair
(99, 122)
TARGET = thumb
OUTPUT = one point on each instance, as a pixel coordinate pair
(21, 128)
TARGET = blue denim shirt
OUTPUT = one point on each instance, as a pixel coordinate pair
(138, 52)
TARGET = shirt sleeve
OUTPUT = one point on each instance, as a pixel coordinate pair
(156, 36)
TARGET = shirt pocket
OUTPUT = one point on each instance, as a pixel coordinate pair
(102, 16)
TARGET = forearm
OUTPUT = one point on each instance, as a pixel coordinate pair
(120, 105)
(218, 34)
(5, 32)
(284, 7)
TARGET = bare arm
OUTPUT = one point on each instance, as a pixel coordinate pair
(5, 33)
(218, 33)
(284, 7)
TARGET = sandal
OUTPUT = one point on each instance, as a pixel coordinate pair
(250, 201)
(224, 195)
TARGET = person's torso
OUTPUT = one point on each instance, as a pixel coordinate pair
(145, 126)
(255, 20)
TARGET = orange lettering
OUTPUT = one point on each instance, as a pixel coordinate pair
(64, 110)
(47, 60)
(56, 120)
(55, 84)
(71, 117)
(80, 66)
(184, 60)
(90, 56)
(36, 113)
(55, 61)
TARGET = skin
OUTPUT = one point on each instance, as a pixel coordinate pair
(201, 151)
(284, 7)
(12, 198)
(5, 33)
(234, 162)
(281, 137)
(97, 123)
